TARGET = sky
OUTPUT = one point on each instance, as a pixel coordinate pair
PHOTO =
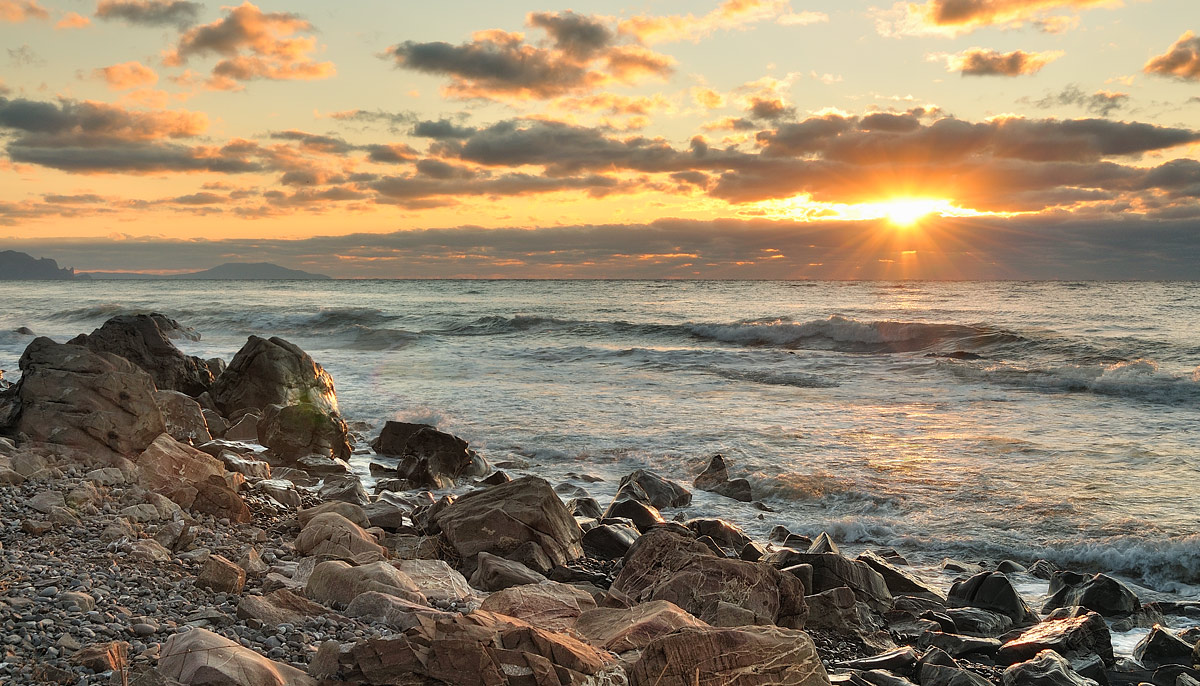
(795, 139)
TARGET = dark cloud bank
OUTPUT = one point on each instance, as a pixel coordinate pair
(981, 248)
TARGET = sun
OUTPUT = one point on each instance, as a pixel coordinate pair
(907, 212)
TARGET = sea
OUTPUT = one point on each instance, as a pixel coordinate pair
(978, 421)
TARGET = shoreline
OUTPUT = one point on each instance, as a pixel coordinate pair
(144, 491)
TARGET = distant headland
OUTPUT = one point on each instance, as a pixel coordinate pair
(18, 265)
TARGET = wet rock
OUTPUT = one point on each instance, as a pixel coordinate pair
(650, 488)
(99, 403)
(221, 575)
(585, 507)
(952, 565)
(620, 630)
(823, 544)
(1070, 637)
(335, 581)
(144, 340)
(715, 479)
(1161, 647)
(550, 605)
(494, 573)
(643, 515)
(974, 621)
(303, 431)
(272, 372)
(495, 479)
(609, 541)
(1043, 569)
(1047, 668)
(898, 581)
(709, 656)
(501, 519)
(831, 570)
(992, 591)
(202, 657)
(184, 420)
(1101, 593)
(427, 457)
(725, 534)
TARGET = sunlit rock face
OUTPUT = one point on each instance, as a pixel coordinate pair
(272, 372)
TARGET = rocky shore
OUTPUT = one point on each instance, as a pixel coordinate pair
(169, 519)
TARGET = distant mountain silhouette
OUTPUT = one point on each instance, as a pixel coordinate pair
(17, 265)
(232, 271)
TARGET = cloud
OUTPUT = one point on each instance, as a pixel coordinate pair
(393, 120)
(127, 75)
(983, 62)
(730, 14)
(24, 56)
(956, 17)
(1182, 59)
(73, 20)
(253, 45)
(177, 13)
(17, 11)
(770, 109)
(500, 65)
(1101, 102)
(442, 129)
(707, 98)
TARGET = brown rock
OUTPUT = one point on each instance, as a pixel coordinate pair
(143, 339)
(184, 419)
(1079, 636)
(335, 581)
(730, 657)
(437, 580)
(550, 605)
(621, 630)
(169, 467)
(280, 606)
(272, 372)
(215, 497)
(221, 575)
(496, 573)
(831, 570)
(202, 657)
(350, 511)
(253, 564)
(303, 430)
(395, 612)
(103, 657)
(501, 519)
(331, 535)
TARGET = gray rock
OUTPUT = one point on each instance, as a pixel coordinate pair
(1047, 668)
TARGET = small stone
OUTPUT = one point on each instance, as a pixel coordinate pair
(145, 629)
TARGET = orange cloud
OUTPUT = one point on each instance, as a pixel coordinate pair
(983, 62)
(954, 17)
(1182, 60)
(614, 104)
(730, 14)
(127, 75)
(17, 11)
(707, 98)
(73, 20)
(253, 45)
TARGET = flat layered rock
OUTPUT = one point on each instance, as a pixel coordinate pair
(201, 657)
(699, 656)
(549, 605)
(1070, 637)
(622, 630)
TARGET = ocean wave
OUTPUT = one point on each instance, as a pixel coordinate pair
(102, 311)
(1139, 379)
(844, 334)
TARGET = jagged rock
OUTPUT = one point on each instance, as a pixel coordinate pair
(898, 581)
(184, 420)
(202, 657)
(103, 657)
(993, 591)
(1161, 647)
(1069, 637)
(217, 425)
(335, 581)
(438, 581)
(221, 575)
(272, 372)
(609, 541)
(1101, 593)
(143, 340)
(823, 544)
(281, 491)
(956, 645)
(1043, 569)
(1047, 668)
(494, 573)
(901, 660)
(501, 519)
(585, 507)
(937, 668)
(280, 606)
(253, 564)
(652, 489)
(725, 534)
(715, 479)
(100, 403)
(835, 609)
(831, 570)
(427, 456)
(548, 605)
(244, 429)
(303, 430)
(621, 630)
(480, 648)
(974, 621)
(709, 656)
(386, 515)
(331, 535)
(251, 469)
(215, 497)
(169, 467)
(664, 565)
(952, 565)
(395, 612)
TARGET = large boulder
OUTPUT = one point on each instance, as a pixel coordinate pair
(331, 535)
(1047, 668)
(832, 570)
(1161, 647)
(549, 605)
(1071, 637)
(480, 649)
(993, 591)
(494, 573)
(665, 565)
(438, 581)
(522, 520)
(183, 416)
(710, 656)
(280, 606)
(141, 339)
(201, 657)
(426, 456)
(1101, 593)
(272, 372)
(336, 582)
(652, 489)
(897, 580)
(301, 430)
(191, 478)
(621, 630)
(97, 402)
